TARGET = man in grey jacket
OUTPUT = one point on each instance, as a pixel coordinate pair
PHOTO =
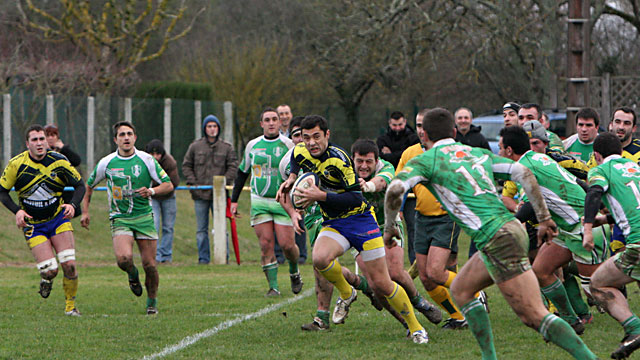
(205, 158)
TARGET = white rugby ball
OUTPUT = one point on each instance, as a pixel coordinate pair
(304, 181)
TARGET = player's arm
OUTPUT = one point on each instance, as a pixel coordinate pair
(241, 179)
(393, 201)
(78, 193)
(592, 203)
(547, 229)
(8, 202)
(293, 213)
(85, 219)
(294, 169)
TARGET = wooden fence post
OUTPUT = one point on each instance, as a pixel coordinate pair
(219, 220)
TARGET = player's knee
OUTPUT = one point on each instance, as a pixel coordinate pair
(124, 262)
(149, 266)
(321, 261)
(436, 275)
(69, 268)
(48, 268)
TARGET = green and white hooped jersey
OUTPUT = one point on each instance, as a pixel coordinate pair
(576, 148)
(385, 170)
(461, 178)
(262, 156)
(620, 179)
(562, 194)
(124, 175)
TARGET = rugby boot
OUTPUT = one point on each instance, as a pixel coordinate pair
(316, 325)
(296, 282)
(453, 324)
(45, 288)
(341, 310)
(432, 313)
(628, 345)
(420, 337)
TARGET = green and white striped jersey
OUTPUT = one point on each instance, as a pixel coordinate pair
(620, 179)
(124, 176)
(562, 194)
(462, 179)
(385, 170)
(262, 156)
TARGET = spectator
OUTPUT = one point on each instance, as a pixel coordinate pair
(466, 132)
(52, 134)
(398, 137)
(510, 113)
(284, 112)
(164, 206)
(205, 158)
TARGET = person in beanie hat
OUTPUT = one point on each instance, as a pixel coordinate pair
(510, 113)
(164, 206)
(205, 158)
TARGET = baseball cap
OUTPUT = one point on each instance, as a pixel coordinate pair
(512, 106)
(535, 130)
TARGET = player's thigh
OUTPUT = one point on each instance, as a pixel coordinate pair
(328, 246)
(438, 259)
(285, 234)
(377, 269)
(472, 278)
(43, 251)
(123, 246)
(147, 249)
(265, 231)
(63, 241)
(610, 274)
(522, 293)
(550, 257)
(395, 258)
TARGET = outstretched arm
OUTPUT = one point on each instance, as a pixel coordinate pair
(392, 204)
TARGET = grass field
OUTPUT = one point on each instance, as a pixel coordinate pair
(219, 312)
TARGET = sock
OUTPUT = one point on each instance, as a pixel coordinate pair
(152, 302)
(70, 287)
(293, 267)
(480, 326)
(452, 276)
(133, 274)
(399, 300)
(271, 272)
(323, 315)
(333, 273)
(364, 284)
(560, 333)
(558, 295)
(442, 297)
(575, 297)
(631, 325)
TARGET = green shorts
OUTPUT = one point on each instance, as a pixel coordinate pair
(313, 225)
(505, 254)
(439, 231)
(265, 209)
(628, 261)
(572, 240)
(140, 227)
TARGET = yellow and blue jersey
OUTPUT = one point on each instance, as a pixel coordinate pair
(40, 183)
(337, 175)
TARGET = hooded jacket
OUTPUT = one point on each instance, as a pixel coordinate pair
(205, 159)
(473, 137)
(397, 143)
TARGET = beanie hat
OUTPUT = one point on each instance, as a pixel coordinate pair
(208, 119)
(535, 130)
(155, 146)
(511, 105)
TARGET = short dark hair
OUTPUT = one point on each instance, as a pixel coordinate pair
(588, 113)
(34, 127)
(311, 121)
(625, 109)
(51, 129)
(364, 147)
(396, 115)
(268, 109)
(117, 126)
(295, 122)
(532, 106)
(607, 144)
(438, 124)
(517, 138)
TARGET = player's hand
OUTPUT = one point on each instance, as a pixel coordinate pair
(310, 195)
(233, 208)
(144, 192)
(20, 215)
(295, 219)
(599, 220)
(285, 187)
(587, 240)
(547, 230)
(84, 220)
(389, 235)
(69, 211)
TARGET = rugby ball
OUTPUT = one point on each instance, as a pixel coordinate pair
(304, 181)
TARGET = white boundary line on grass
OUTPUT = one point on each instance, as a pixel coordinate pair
(190, 340)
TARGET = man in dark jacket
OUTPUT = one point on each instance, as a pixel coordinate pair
(206, 157)
(164, 206)
(468, 133)
(399, 136)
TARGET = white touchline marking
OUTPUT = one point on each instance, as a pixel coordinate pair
(190, 340)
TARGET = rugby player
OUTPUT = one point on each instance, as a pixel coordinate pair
(616, 182)
(348, 220)
(461, 178)
(261, 160)
(40, 176)
(129, 172)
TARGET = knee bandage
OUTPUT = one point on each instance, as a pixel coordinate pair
(47, 265)
(66, 255)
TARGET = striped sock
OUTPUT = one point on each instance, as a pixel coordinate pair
(560, 333)
(480, 326)
(271, 272)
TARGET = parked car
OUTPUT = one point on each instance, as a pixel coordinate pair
(491, 125)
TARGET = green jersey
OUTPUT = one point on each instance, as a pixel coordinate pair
(620, 179)
(385, 170)
(124, 176)
(262, 157)
(461, 178)
(562, 194)
(576, 148)
(555, 142)
(313, 213)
